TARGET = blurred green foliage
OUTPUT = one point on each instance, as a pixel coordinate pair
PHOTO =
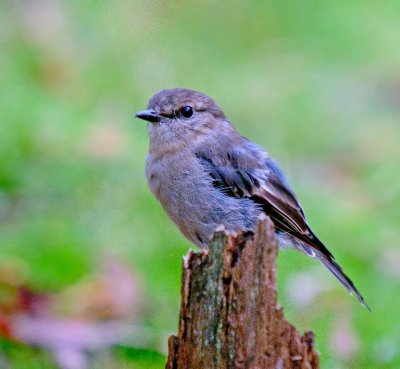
(317, 83)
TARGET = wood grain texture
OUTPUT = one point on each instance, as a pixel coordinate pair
(229, 316)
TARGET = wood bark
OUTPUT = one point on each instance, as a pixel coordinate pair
(229, 316)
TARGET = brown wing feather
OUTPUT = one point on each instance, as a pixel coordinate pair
(281, 204)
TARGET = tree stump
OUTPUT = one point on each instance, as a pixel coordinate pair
(229, 316)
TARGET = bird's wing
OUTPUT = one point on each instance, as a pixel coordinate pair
(248, 172)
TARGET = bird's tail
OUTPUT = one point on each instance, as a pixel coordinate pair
(313, 247)
(337, 271)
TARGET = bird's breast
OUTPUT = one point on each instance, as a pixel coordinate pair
(186, 193)
(171, 177)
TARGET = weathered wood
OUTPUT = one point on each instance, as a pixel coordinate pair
(229, 317)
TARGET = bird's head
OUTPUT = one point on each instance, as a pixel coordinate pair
(181, 116)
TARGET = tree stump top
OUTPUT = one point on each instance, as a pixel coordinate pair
(229, 316)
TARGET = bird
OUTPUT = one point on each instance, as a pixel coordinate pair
(206, 174)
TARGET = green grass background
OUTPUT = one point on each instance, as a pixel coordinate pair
(317, 83)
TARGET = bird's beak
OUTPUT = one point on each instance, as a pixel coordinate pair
(150, 115)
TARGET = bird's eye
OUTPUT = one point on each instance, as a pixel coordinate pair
(186, 111)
